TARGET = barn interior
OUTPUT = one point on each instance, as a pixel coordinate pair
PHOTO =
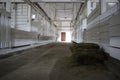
(60, 39)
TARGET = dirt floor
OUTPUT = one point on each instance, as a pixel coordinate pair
(50, 62)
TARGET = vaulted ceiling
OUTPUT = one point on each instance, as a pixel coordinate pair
(61, 12)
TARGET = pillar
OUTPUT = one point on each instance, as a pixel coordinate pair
(103, 6)
(14, 15)
(8, 5)
(88, 7)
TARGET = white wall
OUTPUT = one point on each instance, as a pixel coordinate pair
(21, 18)
(104, 29)
(26, 30)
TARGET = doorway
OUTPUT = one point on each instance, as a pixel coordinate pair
(63, 36)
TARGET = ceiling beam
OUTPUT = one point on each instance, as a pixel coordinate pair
(38, 8)
(80, 11)
(64, 26)
(12, 1)
(49, 1)
(62, 20)
(60, 1)
(65, 29)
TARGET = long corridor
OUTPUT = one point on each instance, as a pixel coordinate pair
(50, 62)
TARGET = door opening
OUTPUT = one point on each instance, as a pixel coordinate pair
(63, 36)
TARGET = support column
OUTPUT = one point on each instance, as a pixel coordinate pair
(88, 7)
(29, 21)
(103, 6)
(14, 15)
(8, 5)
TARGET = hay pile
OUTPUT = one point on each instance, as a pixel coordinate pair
(87, 53)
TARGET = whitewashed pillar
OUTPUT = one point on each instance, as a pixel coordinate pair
(88, 7)
(29, 14)
(14, 15)
(103, 6)
(8, 5)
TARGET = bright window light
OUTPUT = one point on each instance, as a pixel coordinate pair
(33, 16)
(111, 4)
(68, 36)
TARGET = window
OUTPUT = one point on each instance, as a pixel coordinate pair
(93, 5)
(33, 16)
(110, 5)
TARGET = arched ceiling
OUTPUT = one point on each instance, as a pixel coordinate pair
(62, 14)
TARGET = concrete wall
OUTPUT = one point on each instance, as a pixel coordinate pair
(21, 14)
(24, 30)
(104, 29)
(21, 25)
(80, 25)
(43, 27)
(20, 37)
